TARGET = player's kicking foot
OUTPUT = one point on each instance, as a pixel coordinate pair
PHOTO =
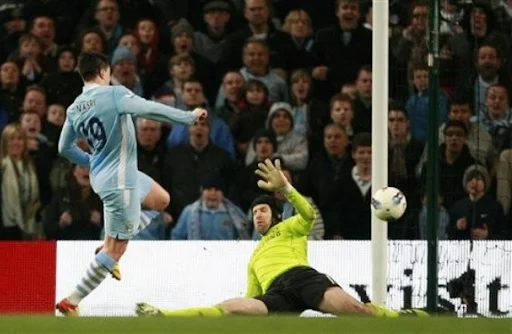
(67, 309)
(413, 313)
(115, 272)
(146, 310)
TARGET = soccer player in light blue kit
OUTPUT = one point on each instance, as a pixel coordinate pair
(102, 115)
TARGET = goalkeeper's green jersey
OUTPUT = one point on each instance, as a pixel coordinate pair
(283, 247)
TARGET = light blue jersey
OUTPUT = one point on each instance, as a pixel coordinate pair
(103, 116)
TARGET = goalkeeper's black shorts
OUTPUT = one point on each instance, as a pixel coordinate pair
(297, 290)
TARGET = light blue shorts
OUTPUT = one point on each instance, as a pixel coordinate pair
(144, 183)
(121, 212)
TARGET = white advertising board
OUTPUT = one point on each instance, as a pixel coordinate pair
(178, 274)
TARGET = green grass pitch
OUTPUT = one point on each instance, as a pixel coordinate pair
(252, 325)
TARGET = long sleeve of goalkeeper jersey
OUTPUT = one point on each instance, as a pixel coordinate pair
(253, 286)
(307, 215)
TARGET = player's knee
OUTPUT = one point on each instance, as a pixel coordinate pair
(243, 306)
(162, 200)
(225, 310)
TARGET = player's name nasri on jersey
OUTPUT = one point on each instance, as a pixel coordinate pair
(85, 105)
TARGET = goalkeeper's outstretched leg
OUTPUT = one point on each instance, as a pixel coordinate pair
(335, 301)
(236, 306)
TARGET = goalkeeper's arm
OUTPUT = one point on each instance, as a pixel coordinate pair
(303, 222)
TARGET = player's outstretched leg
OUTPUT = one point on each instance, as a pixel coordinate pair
(99, 268)
(153, 199)
(236, 306)
(337, 301)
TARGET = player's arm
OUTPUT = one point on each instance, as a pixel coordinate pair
(253, 286)
(303, 222)
(129, 103)
(69, 149)
(274, 180)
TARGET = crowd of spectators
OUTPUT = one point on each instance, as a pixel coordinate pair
(287, 79)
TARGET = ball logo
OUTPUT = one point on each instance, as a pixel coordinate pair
(397, 198)
(376, 204)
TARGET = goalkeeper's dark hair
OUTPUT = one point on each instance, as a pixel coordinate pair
(91, 63)
(272, 203)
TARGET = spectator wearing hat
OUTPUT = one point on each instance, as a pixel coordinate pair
(210, 39)
(213, 216)
(246, 188)
(182, 40)
(292, 148)
(477, 216)
(188, 163)
(124, 70)
(477, 32)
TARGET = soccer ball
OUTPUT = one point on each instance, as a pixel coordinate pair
(388, 204)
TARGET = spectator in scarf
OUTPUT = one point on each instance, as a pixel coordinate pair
(212, 216)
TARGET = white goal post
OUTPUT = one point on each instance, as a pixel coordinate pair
(380, 89)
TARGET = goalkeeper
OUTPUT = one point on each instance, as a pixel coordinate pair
(280, 279)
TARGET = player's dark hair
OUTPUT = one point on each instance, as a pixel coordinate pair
(91, 63)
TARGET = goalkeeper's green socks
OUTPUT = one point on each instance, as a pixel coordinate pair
(213, 311)
(381, 311)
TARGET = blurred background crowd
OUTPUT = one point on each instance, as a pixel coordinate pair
(287, 79)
